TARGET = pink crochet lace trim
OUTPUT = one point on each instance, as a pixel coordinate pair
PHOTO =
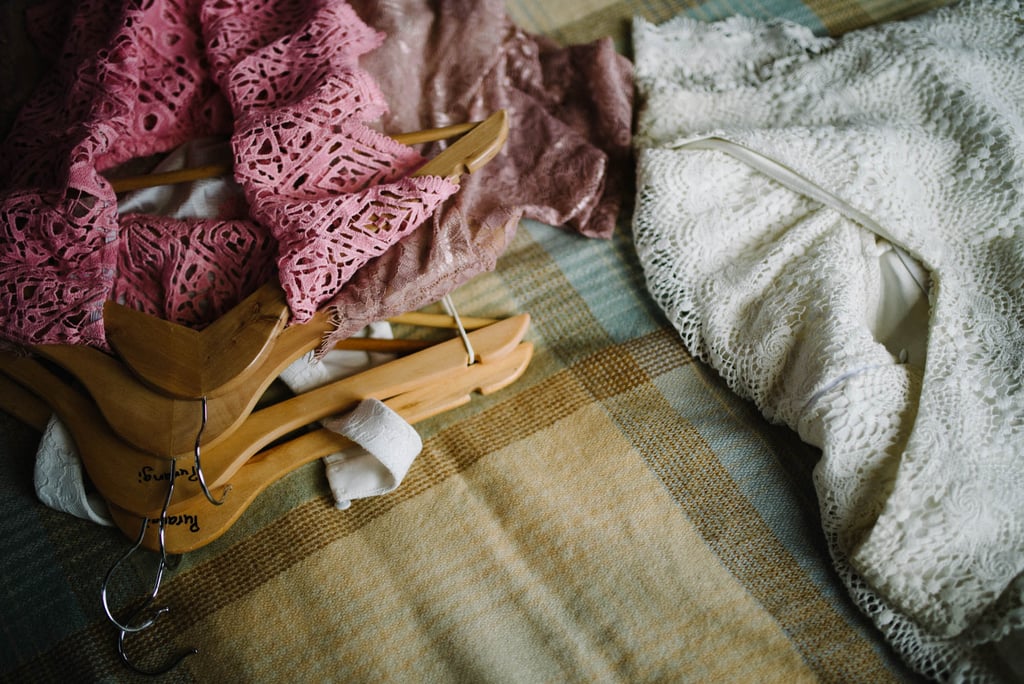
(332, 192)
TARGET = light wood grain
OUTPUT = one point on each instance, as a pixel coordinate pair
(197, 523)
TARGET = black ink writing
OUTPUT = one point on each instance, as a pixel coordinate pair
(186, 520)
(150, 474)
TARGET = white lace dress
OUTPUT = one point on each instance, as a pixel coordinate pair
(837, 226)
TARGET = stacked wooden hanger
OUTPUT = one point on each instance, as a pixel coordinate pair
(167, 426)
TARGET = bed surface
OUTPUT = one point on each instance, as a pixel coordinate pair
(615, 515)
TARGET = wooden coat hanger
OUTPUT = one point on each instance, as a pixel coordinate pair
(135, 480)
(197, 523)
(149, 180)
(139, 409)
(23, 404)
(159, 415)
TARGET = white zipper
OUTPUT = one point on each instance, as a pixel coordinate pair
(799, 183)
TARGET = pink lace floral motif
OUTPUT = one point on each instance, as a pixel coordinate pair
(346, 231)
(330, 189)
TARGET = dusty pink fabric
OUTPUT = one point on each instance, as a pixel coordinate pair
(331, 206)
(567, 160)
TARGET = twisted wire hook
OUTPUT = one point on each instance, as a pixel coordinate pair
(161, 566)
(152, 595)
(199, 465)
(124, 630)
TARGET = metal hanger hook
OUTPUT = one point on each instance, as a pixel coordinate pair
(124, 630)
(199, 465)
(152, 595)
(161, 565)
(123, 655)
(449, 306)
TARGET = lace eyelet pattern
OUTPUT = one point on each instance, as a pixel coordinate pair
(774, 168)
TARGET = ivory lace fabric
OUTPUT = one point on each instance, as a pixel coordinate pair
(785, 182)
(329, 208)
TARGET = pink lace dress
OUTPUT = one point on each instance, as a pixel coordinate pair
(306, 91)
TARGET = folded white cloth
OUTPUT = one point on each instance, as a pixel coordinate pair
(386, 443)
(387, 447)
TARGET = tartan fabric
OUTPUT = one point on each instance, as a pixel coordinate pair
(614, 515)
